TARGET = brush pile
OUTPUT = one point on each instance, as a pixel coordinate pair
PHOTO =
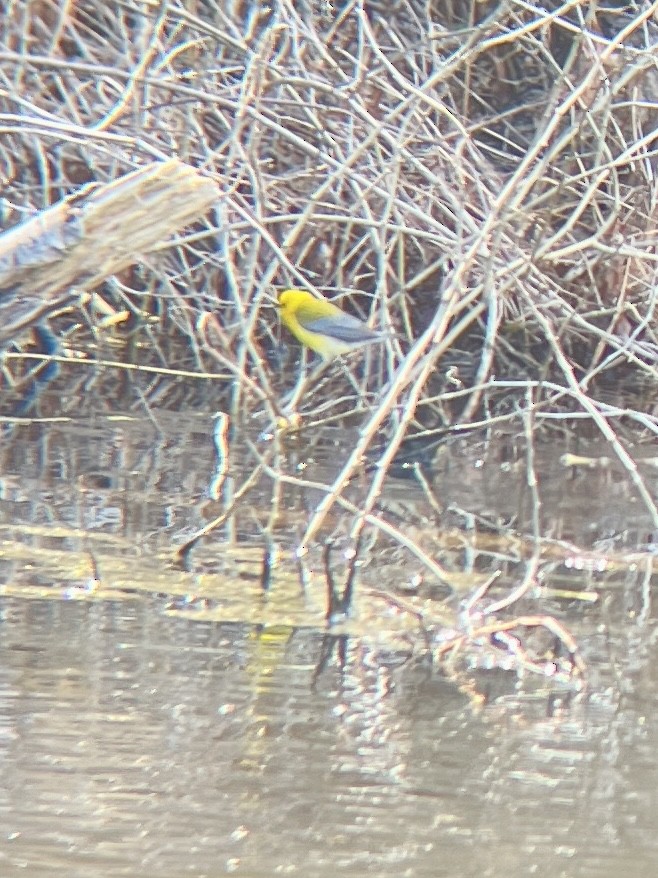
(478, 177)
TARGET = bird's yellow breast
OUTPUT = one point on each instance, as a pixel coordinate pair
(322, 326)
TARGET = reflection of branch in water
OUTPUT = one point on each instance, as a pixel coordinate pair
(494, 633)
(330, 643)
(340, 604)
(182, 555)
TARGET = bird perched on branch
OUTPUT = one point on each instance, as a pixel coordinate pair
(322, 326)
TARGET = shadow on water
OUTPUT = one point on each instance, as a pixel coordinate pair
(155, 721)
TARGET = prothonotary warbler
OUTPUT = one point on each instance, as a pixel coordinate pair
(322, 326)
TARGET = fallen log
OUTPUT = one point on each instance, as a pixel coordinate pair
(69, 248)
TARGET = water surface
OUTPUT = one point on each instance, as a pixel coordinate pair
(155, 721)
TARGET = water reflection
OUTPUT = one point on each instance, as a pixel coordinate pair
(132, 743)
(154, 721)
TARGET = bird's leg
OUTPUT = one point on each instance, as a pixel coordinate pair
(306, 379)
(363, 397)
(291, 400)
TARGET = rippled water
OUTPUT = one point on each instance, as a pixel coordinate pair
(141, 734)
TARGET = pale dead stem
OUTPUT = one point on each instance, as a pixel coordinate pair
(376, 521)
(589, 406)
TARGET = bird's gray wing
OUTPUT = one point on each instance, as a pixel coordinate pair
(346, 328)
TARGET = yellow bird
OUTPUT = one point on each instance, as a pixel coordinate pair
(322, 326)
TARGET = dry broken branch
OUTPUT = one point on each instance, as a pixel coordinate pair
(74, 245)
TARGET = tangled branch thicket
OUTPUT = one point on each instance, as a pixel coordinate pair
(476, 176)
